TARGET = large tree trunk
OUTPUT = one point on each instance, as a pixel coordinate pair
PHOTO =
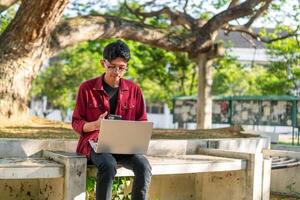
(15, 81)
(23, 47)
(204, 101)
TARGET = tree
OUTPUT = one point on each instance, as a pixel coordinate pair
(24, 45)
(35, 34)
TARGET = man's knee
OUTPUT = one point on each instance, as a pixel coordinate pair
(142, 165)
(106, 164)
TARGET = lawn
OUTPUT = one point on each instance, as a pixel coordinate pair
(41, 128)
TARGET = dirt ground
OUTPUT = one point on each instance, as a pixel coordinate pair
(283, 197)
(35, 127)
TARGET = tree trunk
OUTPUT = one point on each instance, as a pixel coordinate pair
(204, 100)
(15, 82)
(23, 47)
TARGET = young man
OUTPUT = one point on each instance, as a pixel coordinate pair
(96, 99)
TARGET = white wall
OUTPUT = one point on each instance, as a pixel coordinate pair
(162, 120)
(247, 55)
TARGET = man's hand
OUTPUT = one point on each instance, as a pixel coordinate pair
(98, 122)
(95, 125)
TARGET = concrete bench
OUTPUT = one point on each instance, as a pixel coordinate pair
(253, 173)
(199, 172)
(73, 168)
(76, 169)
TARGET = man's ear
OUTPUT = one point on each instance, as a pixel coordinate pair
(102, 62)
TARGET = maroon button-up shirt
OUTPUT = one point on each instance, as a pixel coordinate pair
(92, 101)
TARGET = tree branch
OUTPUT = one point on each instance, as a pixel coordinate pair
(208, 32)
(256, 36)
(258, 13)
(195, 41)
(233, 3)
(5, 4)
(241, 10)
(185, 6)
(75, 30)
(176, 18)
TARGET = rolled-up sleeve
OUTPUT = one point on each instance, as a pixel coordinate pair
(79, 118)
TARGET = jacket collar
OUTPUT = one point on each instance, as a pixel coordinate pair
(99, 84)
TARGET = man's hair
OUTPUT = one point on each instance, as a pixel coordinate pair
(117, 49)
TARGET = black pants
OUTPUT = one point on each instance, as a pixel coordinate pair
(107, 169)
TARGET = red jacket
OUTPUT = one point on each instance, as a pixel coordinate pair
(92, 101)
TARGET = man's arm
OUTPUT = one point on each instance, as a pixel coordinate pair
(78, 117)
(95, 125)
(79, 123)
(141, 114)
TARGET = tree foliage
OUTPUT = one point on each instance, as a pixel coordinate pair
(164, 75)
(284, 69)
(231, 78)
(161, 74)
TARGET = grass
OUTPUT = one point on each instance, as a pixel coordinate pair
(277, 196)
(37, 128)
(41, 128)
(289, 143)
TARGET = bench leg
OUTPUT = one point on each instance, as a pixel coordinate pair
(75, 179)
(74, 175)
(254, 177)
(257, 172)
(266, 181)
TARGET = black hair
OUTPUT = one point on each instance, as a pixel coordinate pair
(117, 49)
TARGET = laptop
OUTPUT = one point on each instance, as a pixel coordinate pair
(123, 137)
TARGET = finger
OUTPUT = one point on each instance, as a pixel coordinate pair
(103, 115)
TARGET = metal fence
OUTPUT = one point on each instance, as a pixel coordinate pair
(244, 110)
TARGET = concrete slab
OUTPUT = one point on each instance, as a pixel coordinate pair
(32, 147)
(32, 189)
(254, 171)
(29, 168)
(285, 147)
(285, 180)
(184, 164)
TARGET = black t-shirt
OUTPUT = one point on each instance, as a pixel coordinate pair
(112, 93)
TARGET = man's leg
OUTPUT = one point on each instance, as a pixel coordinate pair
(107, 166)
(142, 172)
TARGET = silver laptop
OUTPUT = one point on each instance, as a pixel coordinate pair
(123, 137)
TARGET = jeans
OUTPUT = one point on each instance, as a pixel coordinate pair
(107, 169)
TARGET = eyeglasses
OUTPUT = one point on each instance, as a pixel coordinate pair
(116, 69)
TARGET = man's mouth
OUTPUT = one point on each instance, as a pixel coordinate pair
(114, 76)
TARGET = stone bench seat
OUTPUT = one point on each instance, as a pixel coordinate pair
(26, 168)
(183, 164)
(30, 168)
(205, 169)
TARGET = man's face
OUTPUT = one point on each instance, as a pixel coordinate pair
(115, 69)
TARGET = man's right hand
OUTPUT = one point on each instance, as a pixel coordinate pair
(95, 125)
(102, 116)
